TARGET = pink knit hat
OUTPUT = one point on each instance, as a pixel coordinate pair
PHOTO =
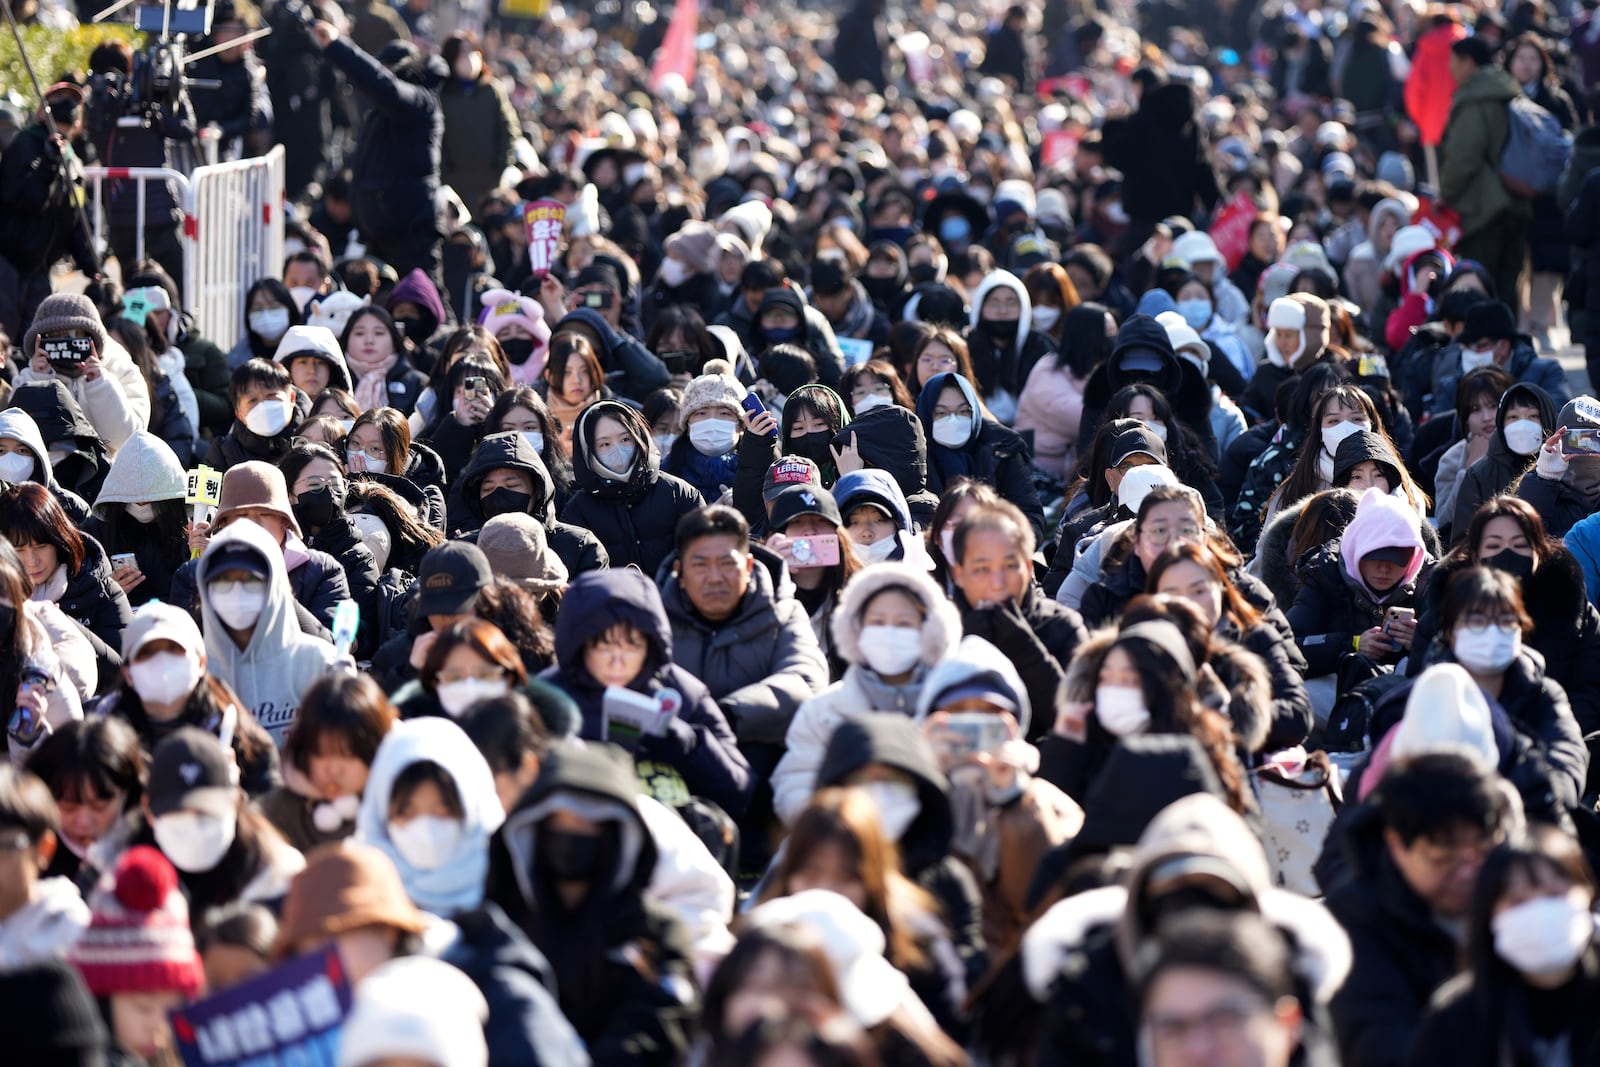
(502, 308)
(138, 939)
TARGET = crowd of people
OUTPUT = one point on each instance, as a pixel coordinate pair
(1022, 535)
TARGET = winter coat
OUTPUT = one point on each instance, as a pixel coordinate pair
(1525, 366)
(698, 744)
(42, 187)
(65, 649)
(1559, 503)
(1001, 374)
(1469, 154)
(1179, 380)
(637, 519)
(709, 475)
(760, 664)
(993, 454)
(342, 541)
(1290, 715)
(45, 927)
(578, 548)
(480, 133)
(241, 444)
(272, 671)
(244, 876)
(1161, 149)
(1038, 636)
(1332, 608)
(1583, 229)
(862, 688)
(891, 439)
(616, 940)
(1400, 954)
(1267, 471)
(117, 402)
(1458, 1030)
(1078, 957)
(317, 585)
(1051, 407)
(18, 425)
(1500, 468)
(98, 604)
(206, 707)
(62, 424)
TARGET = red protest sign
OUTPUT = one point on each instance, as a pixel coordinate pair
(544, 219)
(1231, 228)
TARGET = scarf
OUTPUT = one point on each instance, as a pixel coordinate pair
(372, 383)
(53, 589)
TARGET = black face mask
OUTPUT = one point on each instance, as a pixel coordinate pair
(517, 349)
(504, 501)
(318, 507)
(1002, 331)
(922, 273)
(65, 113)
(414, 329)
(1511, 562)
(817, 447)
(882, 290)
(569, 857)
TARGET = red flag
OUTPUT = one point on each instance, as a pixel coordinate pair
(676, 54)
(1230, 230)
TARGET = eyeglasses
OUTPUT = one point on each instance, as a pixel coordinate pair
(1448, 855)
(935, 361)
(1506, 624)
(374, 452)
(963, 411)
(1160, 533)
(861, 392)
(490, 673)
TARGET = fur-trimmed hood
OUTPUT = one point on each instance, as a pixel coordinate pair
(941, 625)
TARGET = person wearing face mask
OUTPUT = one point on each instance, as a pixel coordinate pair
(327, 759)
(419, 313)
(570, 868)
(41, 639)
(1489, 337)
(811, 419)
(141, 512)
(430, 806)
(269, 312)
(623, 497)
(1531, 960)
(1524, 417)
(480, 125)
(1298, 334)
(892, 626)
(1565, 488)
(877, 520)
(225, 851)
(687, 275)
(24, 458)
(267, 413)
(252, 640)
(967, 443)
(783, 316)
(1142, 354)
(165, 687)
(317, 499)
(470, 661)
(108, 386)
(505, 476)
(517, 322)
(706, 454)
(613, 632)
(1337, 414)
(1002, 343)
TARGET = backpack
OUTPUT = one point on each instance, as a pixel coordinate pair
(1537, 150)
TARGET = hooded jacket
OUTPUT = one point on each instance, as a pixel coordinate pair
(1360, 447)
(62, 423)
(1179, 380)
(616, 940)
(861, 689)
(1333, 605)
(19, 426)
(631, 369)
(1078, 958)
(1002, 371)
(815, 332)
(760, 664)
(276, 665)
(1469, 155)
(1499, 468)
(1524, 364)
(635, 519)
(302, 341)
(993, 454)
(45, 927)
(117, 402)
(891, 439)
(1364, 269)
(698, 745)
(455, 885)
(578, 548)
(94, 601)
(1161, 151)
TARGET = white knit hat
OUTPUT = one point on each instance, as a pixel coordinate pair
(1446, 712)
(716, 386)
(145, 470)
(416, 1007)
(1407, 242)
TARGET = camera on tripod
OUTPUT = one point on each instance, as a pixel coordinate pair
(158, 81)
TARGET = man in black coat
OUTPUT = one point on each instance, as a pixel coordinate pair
(1005, 53)
(240, 105)
(1162, 153)
(396, 162)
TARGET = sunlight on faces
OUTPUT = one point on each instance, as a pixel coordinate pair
(256, 395)
(139, 1021)
(992, 570)
(370, 340)
(1443, 870)
(830, 866)
(1001, 305)
(317, 474)
(936, 358)
(1195, 584)
(521, 419)
(1167, 523)
(1196, 1017)
(608, 433)
(1499, 534)
(310, 374)
(617, 656)
(715, 575)
(39, 560)
(1368, 474)
(1118, 668)
(868, 525)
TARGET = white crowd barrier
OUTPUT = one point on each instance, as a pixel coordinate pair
(232, 232)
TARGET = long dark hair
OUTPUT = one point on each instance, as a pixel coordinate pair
(1084, 341)
(1184, 450)
(116, 529)
(800, 957)
(1518, 511)
(554, 456)
(1304, 477)
(15, 589)
(685, 321)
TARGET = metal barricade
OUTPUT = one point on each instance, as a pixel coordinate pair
(232, 232)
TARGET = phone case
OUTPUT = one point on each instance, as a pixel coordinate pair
(819, 551)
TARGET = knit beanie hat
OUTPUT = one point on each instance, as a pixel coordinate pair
(502, 308)
(716, 386)
(138, 940)
(750, 220)
(518, 549)
(696, 244)
(415, 1008)
(145, 470)
(50, 1018)
(1446, 712)
(66, 311)
(255, 484)
(343, 886)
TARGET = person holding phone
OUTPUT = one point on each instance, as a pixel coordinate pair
(68, 341)
(964, 441)
(805, 515)
(706, 454)
(1566, 489)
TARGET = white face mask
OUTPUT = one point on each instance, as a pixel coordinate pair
(952, 431)
(456, 697)
(270, 325)
(891, 649)
(15, 467)
(898, 806)
(1045, 319)
(877, 552)
(872, 400)
(616, 462)
(302, 295)
(268, 418)
(145, 513)
(332, 814)
(359, 463)
(239, 608)
(1121, 709)
(674, 272)
(947, 543)
(426, 842)
(1471, 361)
(714, 437)
(1333, 436)
(1159, 429)
(1486, 651)
(165, 678)
(1524, 436)
(193, 842)
(535, 439)
(1545, 936)
(665, 441)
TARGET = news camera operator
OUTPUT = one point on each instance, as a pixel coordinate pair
(240, 105)
(132, 117)
(41, 208)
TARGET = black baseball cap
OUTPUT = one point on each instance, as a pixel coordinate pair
(191, 770)
(450, 578)
(1136, 441)
(794, 501)
(237, 556)
(1489, 320)
(1396, 554)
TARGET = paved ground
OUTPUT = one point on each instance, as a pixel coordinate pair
(1572, 361)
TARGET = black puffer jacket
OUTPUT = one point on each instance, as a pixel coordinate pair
(634, 519)
(1499, 468)
(1330, 609)
(1179, 381)
(993, 454)
(1161, 148)
(891, 439)
(578, 548)
(1039, 637)
(59, 418)
(341, 540)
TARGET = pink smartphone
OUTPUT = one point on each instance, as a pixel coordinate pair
(819, 551)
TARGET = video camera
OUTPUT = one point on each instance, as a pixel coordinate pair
(158, 81)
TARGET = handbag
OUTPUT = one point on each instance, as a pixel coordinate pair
(1296, 812)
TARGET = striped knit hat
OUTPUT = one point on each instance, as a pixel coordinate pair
(138, 940)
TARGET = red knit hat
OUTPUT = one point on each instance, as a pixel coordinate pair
(138, 940)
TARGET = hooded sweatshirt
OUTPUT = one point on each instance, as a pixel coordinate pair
(145, 470)
(320, 343)
(418, 289)
(1002, 369)
(1499, 468)
(861, 689)
(993, 454)
(18, 425)
(1360, 447)
(274, 668)
(578, 549)
(1381, 522)
(456, 884)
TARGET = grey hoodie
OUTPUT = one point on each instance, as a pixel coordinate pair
(18, 425)
(274, 669)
